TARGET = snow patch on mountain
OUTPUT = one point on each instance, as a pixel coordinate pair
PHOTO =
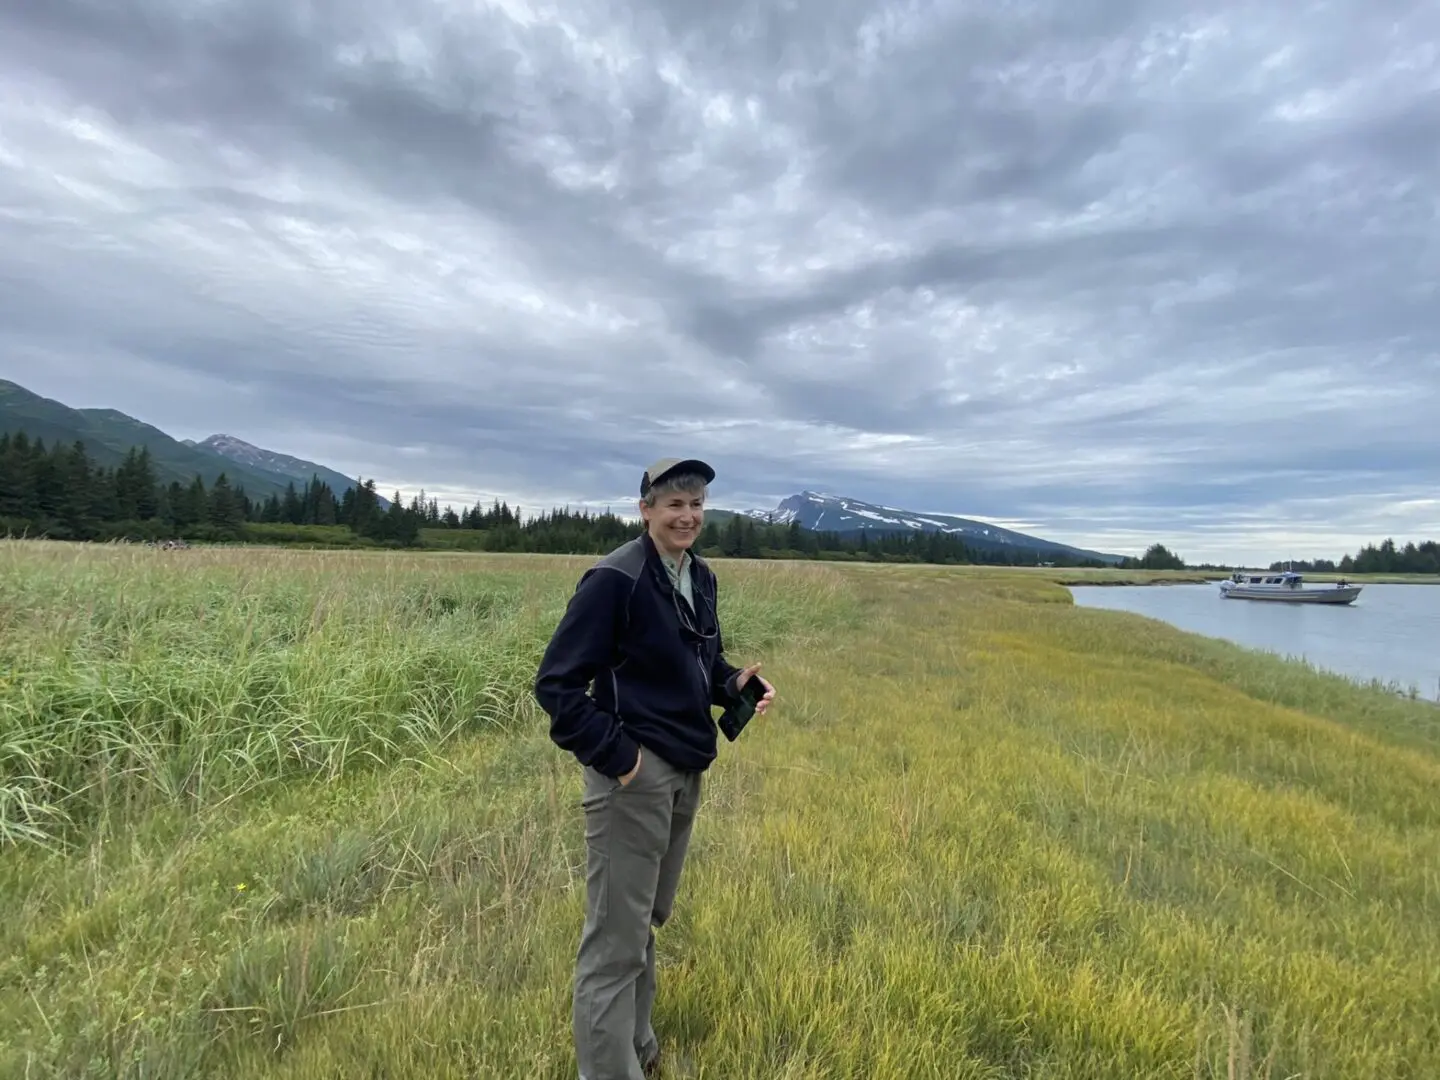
(823, 512)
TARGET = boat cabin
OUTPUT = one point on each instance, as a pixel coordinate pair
(1285, 577)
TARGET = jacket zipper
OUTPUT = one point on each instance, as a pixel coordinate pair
(699, 658)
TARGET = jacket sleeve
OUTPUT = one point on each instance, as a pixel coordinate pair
(581, 649)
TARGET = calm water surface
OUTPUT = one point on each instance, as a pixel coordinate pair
(1392, 633)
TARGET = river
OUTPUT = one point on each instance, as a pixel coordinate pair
(1390, 634)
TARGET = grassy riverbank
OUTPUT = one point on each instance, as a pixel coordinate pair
(985, 834)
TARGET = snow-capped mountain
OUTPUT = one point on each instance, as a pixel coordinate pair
(834, 513)
(297, 469)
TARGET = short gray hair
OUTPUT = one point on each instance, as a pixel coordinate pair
(688, 483)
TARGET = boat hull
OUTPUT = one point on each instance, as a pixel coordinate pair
(1346, 595)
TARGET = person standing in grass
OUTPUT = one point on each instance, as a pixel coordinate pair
(642, 627)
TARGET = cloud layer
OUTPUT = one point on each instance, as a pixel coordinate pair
(1112, 270)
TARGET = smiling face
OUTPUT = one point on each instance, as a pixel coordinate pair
(674, 513)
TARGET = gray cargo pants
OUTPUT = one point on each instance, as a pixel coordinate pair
(636, 838)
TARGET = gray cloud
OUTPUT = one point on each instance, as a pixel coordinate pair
(1113, 271)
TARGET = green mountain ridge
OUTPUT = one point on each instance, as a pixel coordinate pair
(109, 434)
(270, 461)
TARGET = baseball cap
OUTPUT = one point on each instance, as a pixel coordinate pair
(671, 466)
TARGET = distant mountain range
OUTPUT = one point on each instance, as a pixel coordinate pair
(834, 513)
(108, 436)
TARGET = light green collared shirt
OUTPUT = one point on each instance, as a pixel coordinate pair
(679, 571)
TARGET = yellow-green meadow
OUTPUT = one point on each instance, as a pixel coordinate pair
(274, 814)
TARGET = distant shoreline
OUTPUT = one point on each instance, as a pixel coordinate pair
(1071, 582)
(1130, 578)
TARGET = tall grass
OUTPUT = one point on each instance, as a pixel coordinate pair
(984, 834)
(134, 677)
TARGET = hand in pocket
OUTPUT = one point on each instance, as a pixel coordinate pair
(625, 780)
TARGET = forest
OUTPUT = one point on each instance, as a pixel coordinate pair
(1384, 558)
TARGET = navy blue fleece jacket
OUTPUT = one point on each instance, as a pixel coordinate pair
(656, 665)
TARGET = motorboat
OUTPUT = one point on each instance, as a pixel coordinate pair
(1286, 586)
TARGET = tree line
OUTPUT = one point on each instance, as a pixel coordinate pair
(63, 493)
(1384, 558)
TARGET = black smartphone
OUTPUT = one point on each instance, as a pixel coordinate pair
(733, 720)
(753, 690)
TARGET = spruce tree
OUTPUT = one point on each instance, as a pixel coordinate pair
(226, 512)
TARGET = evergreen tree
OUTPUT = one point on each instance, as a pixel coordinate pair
(165, 508)
(193, 507)
(749, 538)
(14, 475)
(292, 510)
(734, 537)
(364, 512)
(147, 502)
(226, 511)
(130, 486)
(48, 480)
(78, 506)
(795, 537)
(326, 510)
(401, 525)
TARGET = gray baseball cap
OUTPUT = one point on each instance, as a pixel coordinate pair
(666, 467)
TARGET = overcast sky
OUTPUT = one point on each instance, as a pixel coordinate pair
(1112, 271)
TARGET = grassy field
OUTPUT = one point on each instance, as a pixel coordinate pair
(294, 815)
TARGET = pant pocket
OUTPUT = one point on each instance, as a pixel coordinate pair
(655, 774)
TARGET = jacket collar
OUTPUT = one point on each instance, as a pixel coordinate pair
(653, 564)
(657, 571)
(657, 567)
